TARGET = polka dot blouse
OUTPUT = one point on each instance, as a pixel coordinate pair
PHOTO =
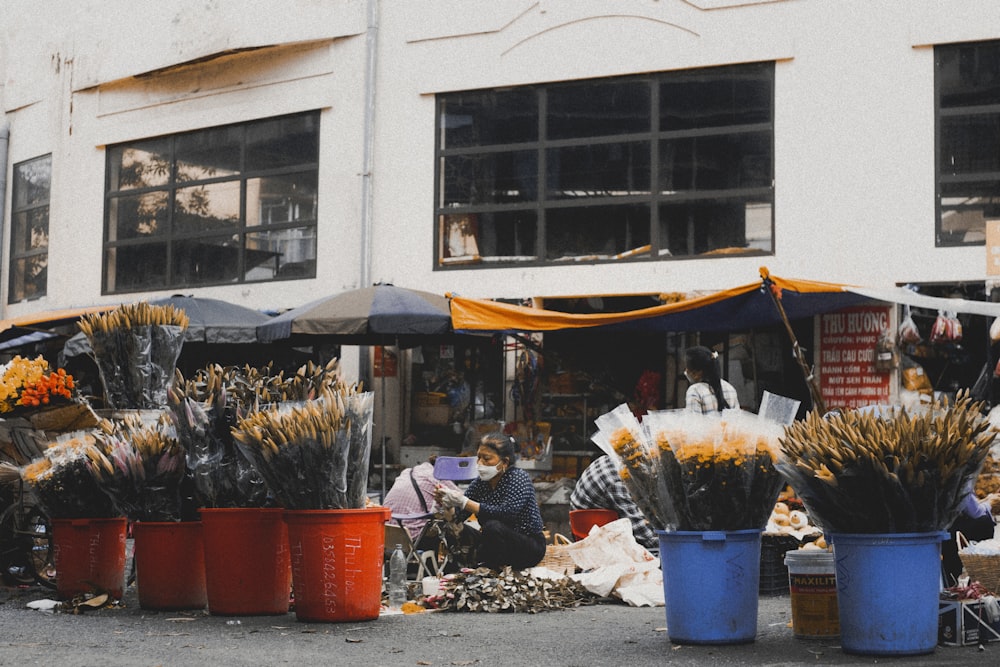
(512, 502)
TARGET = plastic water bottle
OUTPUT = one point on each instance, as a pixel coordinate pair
(397, 578)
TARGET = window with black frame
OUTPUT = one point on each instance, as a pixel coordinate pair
(229, 204)
(967, 81)
(29, 232)
(676, 164)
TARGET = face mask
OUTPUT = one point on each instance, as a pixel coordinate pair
(486, 473)
(689, 378)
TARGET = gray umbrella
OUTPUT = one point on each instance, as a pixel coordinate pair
(379, 315)
(370, 314)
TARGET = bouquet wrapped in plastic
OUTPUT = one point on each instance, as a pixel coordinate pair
(314, 455)
(136, 348)
(693, 472)
(65, 480)
(203, 416)
(206, 409)
(889, 469)
(621, 437)
(147, 469)
(719, 471)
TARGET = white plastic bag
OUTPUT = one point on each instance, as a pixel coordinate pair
(615, 564)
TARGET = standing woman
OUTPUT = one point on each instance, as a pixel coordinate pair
(708, 392)
(503, 500)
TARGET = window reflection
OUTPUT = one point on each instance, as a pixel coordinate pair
(968, 141)
(180, 208)
(29, 234)
(663, 165)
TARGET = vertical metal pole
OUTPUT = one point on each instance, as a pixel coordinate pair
(810, 378)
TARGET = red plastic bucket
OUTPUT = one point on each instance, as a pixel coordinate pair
(170, 565)
(89, 556)
(247, 566)
(337, 558)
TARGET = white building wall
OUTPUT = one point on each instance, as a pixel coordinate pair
(854, 121)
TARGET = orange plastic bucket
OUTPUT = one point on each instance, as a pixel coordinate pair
(89, 556)
(581, 521)
(247, 566)
(337, 558)
(170, 565)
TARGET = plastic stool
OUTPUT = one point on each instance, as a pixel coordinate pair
(456, 468)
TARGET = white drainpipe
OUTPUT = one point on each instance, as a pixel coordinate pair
(4, 141)
(367, 191)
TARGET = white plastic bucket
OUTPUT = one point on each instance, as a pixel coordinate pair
(812, 583)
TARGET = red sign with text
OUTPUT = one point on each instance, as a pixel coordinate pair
(386, 363)
(846, 368)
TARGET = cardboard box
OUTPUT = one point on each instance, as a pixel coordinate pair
(432, 415)
(964, 622)
(411, 455)
(543, 463)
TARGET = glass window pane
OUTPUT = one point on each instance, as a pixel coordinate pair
(968, 74)
(283, 142)
(32, 182)
(716, 162)
(275, 200)
(717, 96)
(490, 178)
(592, 109)
(144, 164)
(137, 267)
(965, 208)
(597, 232)
(498, 236)
(29, 235)
(204, 208)
(209, 153)
(201, 224)
(29, 231)
(485, 118)
(598, 170)
(722, 226)
(970, 144)
(205, 261)
(281, 253)
(133, 216)
(984, 192)
(29, 277)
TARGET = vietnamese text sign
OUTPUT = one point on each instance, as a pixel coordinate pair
(846, 367)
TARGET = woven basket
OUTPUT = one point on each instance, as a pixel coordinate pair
(982, 568)
(557, 558)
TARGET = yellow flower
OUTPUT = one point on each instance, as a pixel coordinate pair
(17, 374)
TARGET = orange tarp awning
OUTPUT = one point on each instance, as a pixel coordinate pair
(51, 316)
(735, 308)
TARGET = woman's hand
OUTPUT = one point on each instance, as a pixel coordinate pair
(450, 498)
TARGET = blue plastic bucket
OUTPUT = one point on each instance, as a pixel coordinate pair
(710, 582)
(887, 592)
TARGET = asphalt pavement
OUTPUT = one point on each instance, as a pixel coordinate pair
(602, 634)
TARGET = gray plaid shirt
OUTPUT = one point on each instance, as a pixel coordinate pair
(600, 487)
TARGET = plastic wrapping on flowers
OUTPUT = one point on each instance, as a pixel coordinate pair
(220, 474)
(696, 472)
(136, 348)
(147, 469)
(314, 455)
(206, 409)
(66, 479)
(887, 470)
